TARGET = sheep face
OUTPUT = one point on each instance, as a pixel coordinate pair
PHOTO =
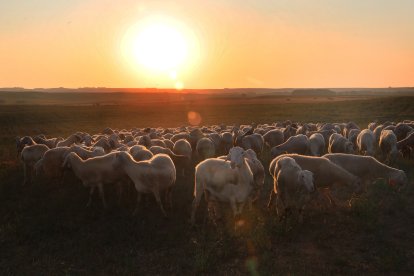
(399, 181)
(306, 179)
(349, 148)
(67, 162)
(236, 157)
(357, 185)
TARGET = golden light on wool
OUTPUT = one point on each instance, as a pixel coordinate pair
(160, 45)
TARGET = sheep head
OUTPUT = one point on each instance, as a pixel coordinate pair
(399, 180)
(305, 178)
(236, 157)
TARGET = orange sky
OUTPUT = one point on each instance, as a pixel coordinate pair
(286, 43)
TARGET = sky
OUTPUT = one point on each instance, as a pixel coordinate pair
(229, 43)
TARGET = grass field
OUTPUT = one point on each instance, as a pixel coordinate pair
(46, 229)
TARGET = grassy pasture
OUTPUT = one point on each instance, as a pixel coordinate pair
(46, 229)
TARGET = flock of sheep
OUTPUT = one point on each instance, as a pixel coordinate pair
(308, 161)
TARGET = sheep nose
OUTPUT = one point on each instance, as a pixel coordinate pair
(232, 165)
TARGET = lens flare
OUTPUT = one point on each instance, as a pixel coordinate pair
(194, 118)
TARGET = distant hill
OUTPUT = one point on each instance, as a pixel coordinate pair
(313, 92)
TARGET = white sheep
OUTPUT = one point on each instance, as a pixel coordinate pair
(326, 173)
(183, 147)
(253, 141)
(368, 168)
(366, 142)
(85, 153)
(51, 164)
(388, 146)
(72, 139)
(97, 171)
(205, 148)
(29, 156)
(406, 145)
(21, 142)
(338, 143)
(273, 138)
(316, 144)
(295, 144)
(224, 181)
(140, 153)
(154, 176)
(182, 162)
(292, 186)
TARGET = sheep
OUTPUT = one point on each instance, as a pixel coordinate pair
(216, 139)
(338, 143)
(348, 127)
(179, 136)
(352, 137)
(406, 145)
(274, 138)
(95, 172)
(368, 169)
(183, 147)
(51, 164)
(151, 176)
(377, 133)
(288, 132)
(140, 153)
(257, 170)
(325, 133)
(226, 141)
(316, 144)
(103, 142)
(50, 143)
(401, 130)
(29, 156)
(181, 162)
(292, 187)
(21, 142)
(327, 174)
(302, 129)
(372, 126)
(158, 142)
(295, 144)
(366, 142)
(224, 181)
(253, 141)
(205, 148)
(195, 135)
(169, 144)
(86, 154)
(72, 139)
(388, 146)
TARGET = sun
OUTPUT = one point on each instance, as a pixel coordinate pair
(157, 44)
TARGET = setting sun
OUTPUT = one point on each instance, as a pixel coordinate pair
(158, 45)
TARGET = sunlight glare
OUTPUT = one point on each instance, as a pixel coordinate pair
(158, 44)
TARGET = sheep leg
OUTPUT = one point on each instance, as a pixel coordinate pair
(120, 192)
(158, 199)
(26, 174)
(271, 198)
(300, 216)
(233, 205)
(91, 191)
(139, 197)
(101, 193)
(198, 193)
(169, 198)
